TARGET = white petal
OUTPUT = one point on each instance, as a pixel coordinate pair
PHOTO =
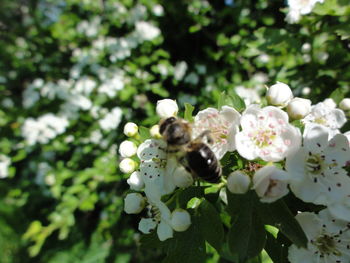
(152, 148)
(164, 231)
(338, 150)
(310, 223)
(300, 255)
(316, 138)
(340, 210)
(146, 225)
(230, 114)
(245, 147)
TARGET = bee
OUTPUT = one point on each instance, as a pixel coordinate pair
(194, 155)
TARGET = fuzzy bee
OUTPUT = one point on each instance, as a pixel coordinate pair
(194, 155)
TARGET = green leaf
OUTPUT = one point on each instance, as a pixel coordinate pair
(247, 235)
(144, 133)
(337, 95)
(276, 250)
(210, 225)
(188, 193)
(279, 215)
(232, 100)
(188, 246)
(188, 112)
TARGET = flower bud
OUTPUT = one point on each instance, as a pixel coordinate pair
(180, 220)
(345, 104)
(238, 182)
(134, 203)
(182, 178)
(279, 94)
(270, 183)
(135, 181)
(130, 129)
(127, 165)
(127, 149)
(330, 103)
(154, 131)
(298, 108)
(167, 108)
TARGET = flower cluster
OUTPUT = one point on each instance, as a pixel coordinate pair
(278, 156)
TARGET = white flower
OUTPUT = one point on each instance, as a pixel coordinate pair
(111, 120)
(167, 108)
(127, 165)
(127, 149)
(146, 31)
(306, 47)
(130, 129)
(316, 173)
(329, 117)
(266, 134)
(156, 170)
(238, 182)
(270, 183)
(298, 108)
(223, 125)
(180, 220)
(161, 220)
(345, 104)
(329, 239)
(182, 178)
(43, 129)
(4, 166)
(279, 94)
(154, 131)
(298, 8)
(347, 134)
(306, 91)
(134, 203)
(135, 181)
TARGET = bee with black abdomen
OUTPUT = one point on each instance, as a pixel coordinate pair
(194, 155)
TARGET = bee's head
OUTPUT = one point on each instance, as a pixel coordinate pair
(175, 131)
(165, 123)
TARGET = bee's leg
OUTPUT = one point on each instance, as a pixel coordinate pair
(206, 134)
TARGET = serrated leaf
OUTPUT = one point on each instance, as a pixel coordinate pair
(188, 246)
(247, 235)
(279, 215)
(188, 112)
(144, 133)
(210, 225)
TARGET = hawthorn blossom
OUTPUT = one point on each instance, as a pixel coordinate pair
(328, 239)
(4, 166)
(161, 220)
(266, 134)
(223, 125)
(322, 114)
(317, 174)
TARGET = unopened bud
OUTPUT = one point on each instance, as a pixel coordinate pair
(238, 182)
(167, 108)
(298, 108)
(180, 220)
(182, 178)
(270, 183)
(154, 131)
(345, 104)
(330, 103)
(279, 94)
(127, 165)
(134, 203)
(130, 129)
(127, 149)
(135, 181)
